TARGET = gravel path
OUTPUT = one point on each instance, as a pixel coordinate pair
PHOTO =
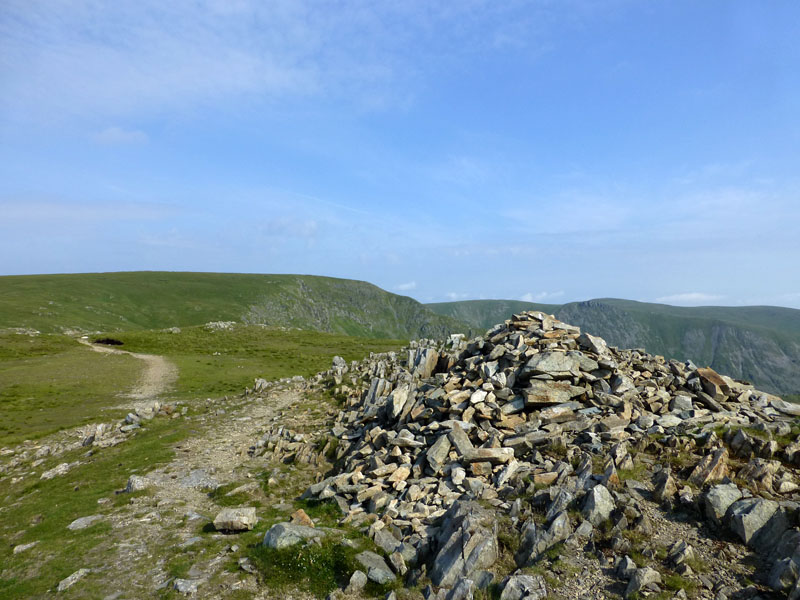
(158, 376)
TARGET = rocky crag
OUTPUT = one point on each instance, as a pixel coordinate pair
(537, 461)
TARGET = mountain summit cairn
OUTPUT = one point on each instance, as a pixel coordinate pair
(538, 447)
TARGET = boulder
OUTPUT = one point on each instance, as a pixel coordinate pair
(235, 519)
(598, 505)
(746, 517)
(463, 590)
(718, 499)
(550, 392)
(713, 384)
(491, 455)
(555, 364)
(358, 580)
(137, 483)
(465, 543)
(641, 578)
(592, 343)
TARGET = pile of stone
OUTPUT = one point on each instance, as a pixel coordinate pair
(287, 446)
(97, 435)
(537, 417)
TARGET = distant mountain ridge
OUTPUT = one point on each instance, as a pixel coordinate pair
(155, 300)
(756, 343)
(760, 344)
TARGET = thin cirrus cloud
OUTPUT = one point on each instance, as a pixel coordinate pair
(541, 296)
(122, 58)
(407, 286)
(22, 211)
(689, 298)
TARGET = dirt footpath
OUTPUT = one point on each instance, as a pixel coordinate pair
(159, 373)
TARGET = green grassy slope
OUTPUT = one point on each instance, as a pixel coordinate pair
(154, 300)
(217, 363)
(757, 343)
(50, 382)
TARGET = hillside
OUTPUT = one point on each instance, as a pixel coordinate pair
(756, 343)
(153, 300)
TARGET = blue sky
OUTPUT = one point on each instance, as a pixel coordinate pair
(550, 151)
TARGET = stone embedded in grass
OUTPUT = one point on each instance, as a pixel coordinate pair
(23, 547)
(282, 535)
(61, 469)
(641, 578)
(358, 581)
(68, 582)
(236, 519)
(84, 522)
(137, 483)
(186, 586)
(200, 479)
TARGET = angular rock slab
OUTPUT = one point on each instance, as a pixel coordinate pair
(68, 582)
(641, 578)
(713, 467)
(466, 543)
(376, 568)
(718, 500)
(598, 505)
(747, 517)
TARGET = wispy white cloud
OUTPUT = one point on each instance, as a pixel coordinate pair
(406, 287)
(81, 56)
(289, 227)
(541, 296)
(689, 298)
(39, 211)
(462, 170)
(113, 136)
(454, 296)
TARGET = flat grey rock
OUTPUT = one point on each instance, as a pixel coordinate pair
(84, 522)
(282, 535)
